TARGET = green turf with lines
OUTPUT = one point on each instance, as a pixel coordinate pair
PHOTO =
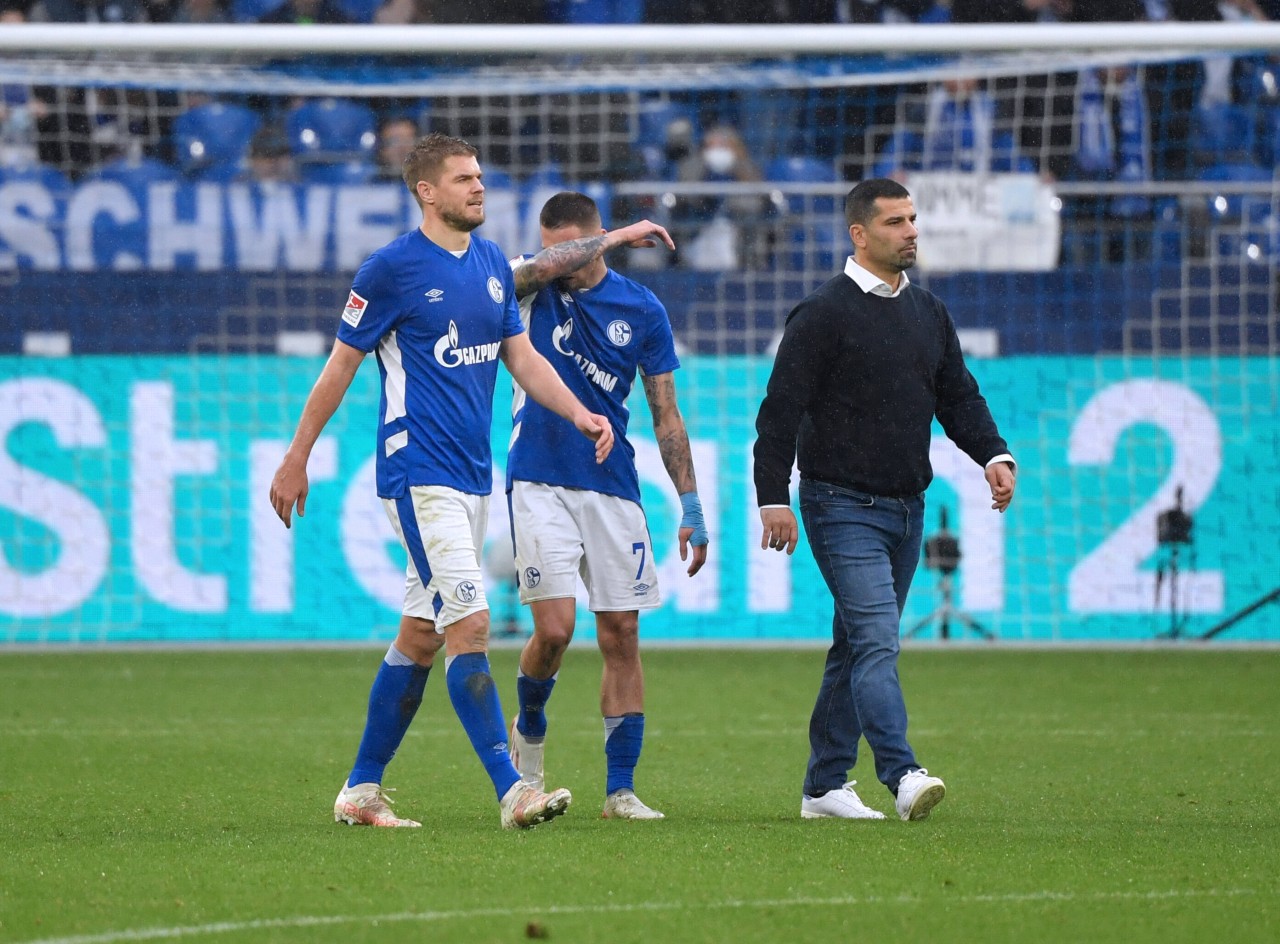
(1123, 796)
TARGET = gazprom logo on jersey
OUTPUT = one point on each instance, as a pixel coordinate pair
(449, 354)
(601, 378)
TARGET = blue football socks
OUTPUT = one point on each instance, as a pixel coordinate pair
(393, 701)
(533, 694)
(475, 699)
(623, 738)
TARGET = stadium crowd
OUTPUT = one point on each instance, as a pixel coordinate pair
(1215, 119)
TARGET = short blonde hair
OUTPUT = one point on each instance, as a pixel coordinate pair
(427, 158)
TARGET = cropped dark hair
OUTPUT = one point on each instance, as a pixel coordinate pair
(569, 208)
(860, 204)
(427, 158)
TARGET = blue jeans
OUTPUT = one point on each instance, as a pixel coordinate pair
(867, 548)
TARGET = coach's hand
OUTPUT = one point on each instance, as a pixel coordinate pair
(781, 530)
(640, 235)
(290, 485)
(597, 427)
(1003, 480)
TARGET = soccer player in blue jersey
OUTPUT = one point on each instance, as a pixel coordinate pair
(438, 308)
(573, 516)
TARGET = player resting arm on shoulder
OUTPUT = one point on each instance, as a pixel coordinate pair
(556, 261)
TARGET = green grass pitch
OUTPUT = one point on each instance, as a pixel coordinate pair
(1126, 796)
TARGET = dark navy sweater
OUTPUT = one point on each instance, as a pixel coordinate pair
(856, 383)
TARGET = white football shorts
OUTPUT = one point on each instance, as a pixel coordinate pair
(562, 534)
(443, 531)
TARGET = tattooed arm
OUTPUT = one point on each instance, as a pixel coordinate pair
(673, 446)
(563, 258)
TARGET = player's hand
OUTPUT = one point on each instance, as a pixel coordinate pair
(290, 485)
(781, 530)
(1002, 479)
(597, 427)
(641, 235)
(693, 531)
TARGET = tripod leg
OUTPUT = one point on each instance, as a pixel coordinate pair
(974, 625)
(922, 623)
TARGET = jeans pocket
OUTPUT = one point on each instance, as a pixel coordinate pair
(829, 493)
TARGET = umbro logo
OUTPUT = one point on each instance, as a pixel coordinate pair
(640, 588)
(435, 295)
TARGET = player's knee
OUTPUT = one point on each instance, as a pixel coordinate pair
(469, 634)
(619, 636)
(418, 639)
(553, 636)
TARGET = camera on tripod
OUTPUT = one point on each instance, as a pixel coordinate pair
(1174, 525)
(942, 549)
(942, 554)
(1173, 532)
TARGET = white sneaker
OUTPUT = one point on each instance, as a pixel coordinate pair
(918, 794)
(525, 806)
(624, 804)
(366, 804)
(842, 804)
(526, 755)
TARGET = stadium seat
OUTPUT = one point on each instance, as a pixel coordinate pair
(330, 131)
(1225, 134)
(359, 11)
(251, 11)
(595, 11)
(822, 236)
(212, 141)
(1229, 206)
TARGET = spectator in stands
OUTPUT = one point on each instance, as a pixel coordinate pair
(954, 128)
(302, 12)
(396, 139)
(270, 159)
(88, 11)
(723, 222)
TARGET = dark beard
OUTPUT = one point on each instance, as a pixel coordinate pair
(460, 223)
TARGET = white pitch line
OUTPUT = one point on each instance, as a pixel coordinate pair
(310, 921)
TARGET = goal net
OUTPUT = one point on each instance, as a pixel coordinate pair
(182, 209)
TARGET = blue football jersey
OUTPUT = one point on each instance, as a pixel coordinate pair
(435, 322)
(596, 339)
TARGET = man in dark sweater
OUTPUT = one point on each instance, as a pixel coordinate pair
(864, 365)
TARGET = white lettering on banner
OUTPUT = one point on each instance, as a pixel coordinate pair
(365, 218)
(170, 237)
(366, 536)
(272, 233)
(700, 594)
(985, 222)
(1108, 579)
(271, 558)
(980, 529)
(768, 571)
(84, 543)
(26, 212)
(207, 227)
(156, 459)
(88, 202)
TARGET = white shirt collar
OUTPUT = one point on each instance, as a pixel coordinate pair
(871, 283)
